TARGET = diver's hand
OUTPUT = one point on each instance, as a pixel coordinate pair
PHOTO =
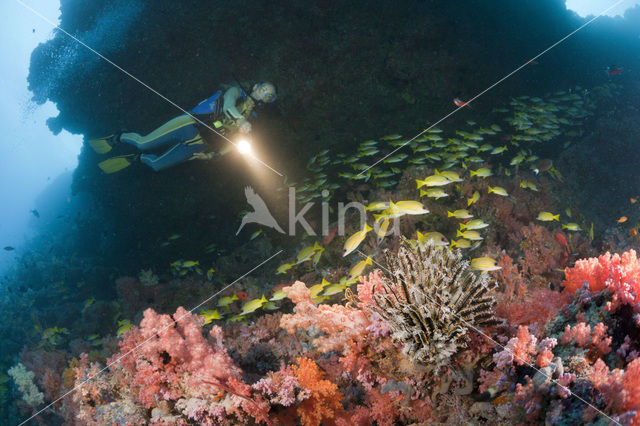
(202, 156)
(243, 125)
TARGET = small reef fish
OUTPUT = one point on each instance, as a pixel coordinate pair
(227, 300)
(484, 264)
(382, 230)
(548, 217)
(36, 213)
(317, 288)
(123, 326)
(469, 235)
(354, 241)
(190, 263)
(460, 214)
(270, 306)
(253, 305)
(308, 252)
(622, 219)
(498, 190)
(433, 180)
(9, 248)
(461, 243)
(174, 237)
(450, 175)
(377, 206)
(482, 172)
(278, 295)
(459, 103)
(433, 193)
(633, 200)
(282, 269)
(571, 227)
(474, 224)
(210, 273)
(392, 137)
(334, 289)
(208, 315)
(498, 150)
(528, 185)
(435, 236)
(475, 197)
(411, 207)
(358, 268)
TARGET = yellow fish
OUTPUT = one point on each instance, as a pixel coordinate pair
(209, 315)
(498, 190)
(308, 252)
(278, 295)
(460, 214)
(571, 227)
(411, 207)
(316, 257)
(475, 197)
(358, 268)
(484, 264)
(270, 306)
(433, 193)
(190, 263)
(377, 206)
(433, 180)
(210, 273)
(450, 175)
(354, 241)
(317, 288)
(282, 269)
(469, 235)
(461, 243)
(123, 326)
(382, 230)
(236, 318)
(474, 224)
(548, 217)
(528, 185)
(227, 300)
(435, 236)
(498, 150)
(482, 172)
(253, 305)
(334, 289)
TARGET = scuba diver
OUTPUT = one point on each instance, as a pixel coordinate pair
(224, 113)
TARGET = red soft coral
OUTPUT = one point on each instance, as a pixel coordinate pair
(324, 397)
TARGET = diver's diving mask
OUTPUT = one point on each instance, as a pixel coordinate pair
(265, 92)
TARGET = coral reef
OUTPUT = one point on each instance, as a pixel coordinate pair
(23, 378)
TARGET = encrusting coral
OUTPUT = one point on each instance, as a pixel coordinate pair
(431, 300)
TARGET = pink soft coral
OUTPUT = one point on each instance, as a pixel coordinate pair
(343, 325)
(519, 349)
(597, 271)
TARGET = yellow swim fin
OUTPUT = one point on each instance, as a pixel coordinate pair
(101, 145)
(115, 164)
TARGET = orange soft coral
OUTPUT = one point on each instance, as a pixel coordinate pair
(325, 398)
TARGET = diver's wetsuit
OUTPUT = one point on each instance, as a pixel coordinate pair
(183, 132)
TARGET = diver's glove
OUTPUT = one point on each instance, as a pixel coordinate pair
(243, 125)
